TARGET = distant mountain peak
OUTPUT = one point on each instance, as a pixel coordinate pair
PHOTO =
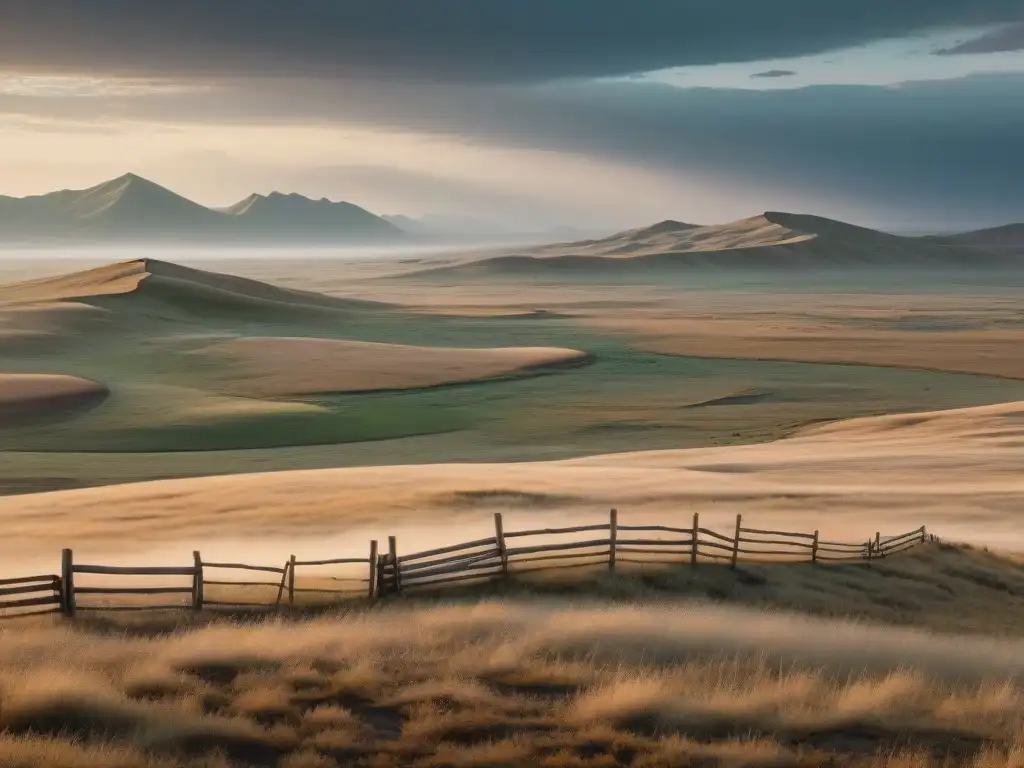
(666, 226)
(278, 213)
(132, 181)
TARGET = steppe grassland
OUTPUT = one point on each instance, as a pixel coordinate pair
(511, 684)
(175, 356)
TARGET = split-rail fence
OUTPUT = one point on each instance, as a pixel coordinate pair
(380, 574)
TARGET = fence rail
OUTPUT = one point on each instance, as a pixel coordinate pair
(381, 574)
(42, 594)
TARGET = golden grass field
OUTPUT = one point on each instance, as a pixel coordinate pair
(955, 471)
(511, 683)
(256, 409)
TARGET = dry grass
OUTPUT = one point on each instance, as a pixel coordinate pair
(956, 471)
(963, 339)
(936, 586)
(506, 684)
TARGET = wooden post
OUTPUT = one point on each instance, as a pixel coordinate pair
(814, 549)
(736, 541)
(280, 587)
(499, 539)
(393, 557)
(613, 535)
(291, 580)
(197, 582)
(696, 538)
(924, 534)
(67, 575)
(382, 581)
(878, 542)
(373, 569)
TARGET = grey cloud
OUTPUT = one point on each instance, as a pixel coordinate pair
(952, 149)
(928, 149)
(946, 151)
(773, 73)
(450, 40)
(1008, 38)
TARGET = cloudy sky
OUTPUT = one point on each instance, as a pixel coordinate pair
(530, 113)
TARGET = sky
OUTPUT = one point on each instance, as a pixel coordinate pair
(530, 114)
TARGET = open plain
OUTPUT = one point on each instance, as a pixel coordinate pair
(257, 408)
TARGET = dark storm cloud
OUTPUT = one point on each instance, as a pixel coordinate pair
(952, 149)
(1008, 38)
(773, 73)
(451, 40)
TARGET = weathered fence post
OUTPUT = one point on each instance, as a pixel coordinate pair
(290, 567)
(67, 579)
(499, 539)
(736, 541)
(814, 549)
(373, 569)
(924, 534)
(695, 542)
(613, 535)
(285, 572)
(878, 543)
(393, 557)
(197, 582)
(382, 575)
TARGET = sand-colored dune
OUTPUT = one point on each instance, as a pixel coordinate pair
(956, 471)
(164, 280)
(773, 240)
(46, 326)
(110, 279)
(28, 398)
(271, 367)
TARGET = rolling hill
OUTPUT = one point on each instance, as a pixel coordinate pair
(150, 356)
(772, 241)
(133, 208)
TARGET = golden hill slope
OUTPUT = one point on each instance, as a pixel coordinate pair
(161, 278)
(956, 471)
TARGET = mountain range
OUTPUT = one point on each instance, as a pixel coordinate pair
(133, 208)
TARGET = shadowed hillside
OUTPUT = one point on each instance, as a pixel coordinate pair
(1009, 238)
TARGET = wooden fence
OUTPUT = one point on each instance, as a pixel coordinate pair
(607, 545)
